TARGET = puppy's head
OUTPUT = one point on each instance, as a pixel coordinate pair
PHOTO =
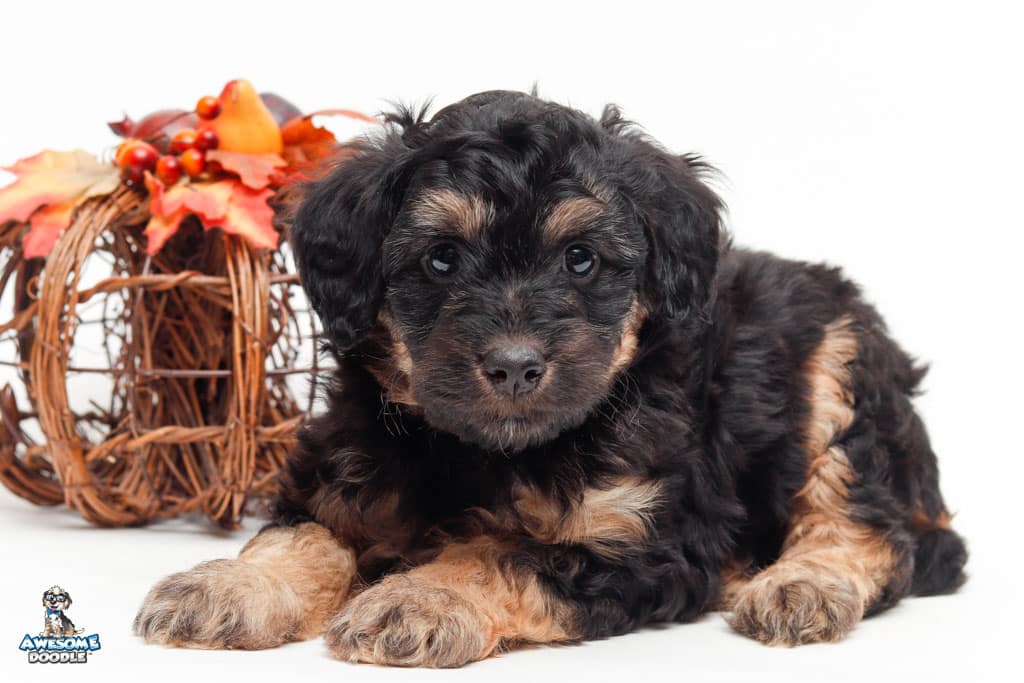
(56, 598)
(496, 266)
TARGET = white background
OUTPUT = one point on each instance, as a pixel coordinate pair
(883, 137)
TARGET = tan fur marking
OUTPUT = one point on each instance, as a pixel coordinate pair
(921, 521)
(460, 607)
(831, 567)
(571, 216)
(375, 528)
(449, 211)
(733, 579)
(393, 369)
(629, 340)
(606, 520)
(285, 585)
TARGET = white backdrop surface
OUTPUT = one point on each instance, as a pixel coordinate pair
(882, 137)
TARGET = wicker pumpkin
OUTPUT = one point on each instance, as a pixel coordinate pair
(200, 341)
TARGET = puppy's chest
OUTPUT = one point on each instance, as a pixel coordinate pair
(605, 518)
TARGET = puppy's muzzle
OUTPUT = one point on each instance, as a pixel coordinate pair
(514, 369)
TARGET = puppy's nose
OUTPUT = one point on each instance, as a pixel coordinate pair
(515, 369)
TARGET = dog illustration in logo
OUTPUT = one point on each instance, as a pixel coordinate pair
(56, 601)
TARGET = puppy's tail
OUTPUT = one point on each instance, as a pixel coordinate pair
(938, 562)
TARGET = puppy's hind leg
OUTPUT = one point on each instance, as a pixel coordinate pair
(846, 553)
(284, 585)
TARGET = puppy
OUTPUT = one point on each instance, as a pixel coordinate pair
(565, 407)
(57, 624)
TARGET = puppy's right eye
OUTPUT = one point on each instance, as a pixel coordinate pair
(442, 261)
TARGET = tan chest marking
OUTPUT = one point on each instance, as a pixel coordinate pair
(607, 520)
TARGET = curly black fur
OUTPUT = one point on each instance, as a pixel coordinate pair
(712, 405)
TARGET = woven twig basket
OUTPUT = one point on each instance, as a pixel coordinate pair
(200, 340)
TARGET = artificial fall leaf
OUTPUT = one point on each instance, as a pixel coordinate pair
(53, 178)
(256, 171)
(168, 201)
(305, 142)
(248, 214)
(122, 128)
(46, 225)
(160, 228)
(227, 204)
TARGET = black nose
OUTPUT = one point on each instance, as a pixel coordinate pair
(515, 369)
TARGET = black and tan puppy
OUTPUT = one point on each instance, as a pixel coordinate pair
(56, 622)
(566, 407)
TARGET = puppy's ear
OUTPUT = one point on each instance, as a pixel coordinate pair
(337, 231)
(681, 217)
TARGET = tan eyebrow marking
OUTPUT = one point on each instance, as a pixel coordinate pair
(570, 217)
(449, 211)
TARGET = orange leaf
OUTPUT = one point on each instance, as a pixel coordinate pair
(255, 170)
(45, 226)
(168, 206)
(305, 142)
(225, 204)
(248, 213)
(167, 201)
(160, 228)
(54, 178)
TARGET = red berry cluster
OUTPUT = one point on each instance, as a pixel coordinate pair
(187, 151)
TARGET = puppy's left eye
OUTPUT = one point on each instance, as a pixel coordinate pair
(580, 260)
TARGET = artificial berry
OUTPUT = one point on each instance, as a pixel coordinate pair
(136, 153)
(133, 175)
(193, 161)
(207, 139)
(143, 157)
(208, 107)
(182, 140)
(168, 169)
(122, 149)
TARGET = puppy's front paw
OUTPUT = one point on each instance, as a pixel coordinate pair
(788, 604)
(221, 604)
(403, 621)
